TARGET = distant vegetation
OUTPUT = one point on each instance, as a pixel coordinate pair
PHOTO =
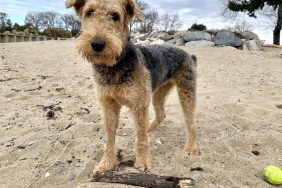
(50, 24)
(197, 27)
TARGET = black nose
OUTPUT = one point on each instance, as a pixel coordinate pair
(98, 45)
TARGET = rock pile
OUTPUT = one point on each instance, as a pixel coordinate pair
(246, 40)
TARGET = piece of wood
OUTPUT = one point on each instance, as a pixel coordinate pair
(143, 180)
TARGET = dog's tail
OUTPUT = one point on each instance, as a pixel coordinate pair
(194, 58)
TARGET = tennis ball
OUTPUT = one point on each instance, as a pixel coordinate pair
(273, 175)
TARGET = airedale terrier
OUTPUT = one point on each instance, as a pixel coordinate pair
(130, 75)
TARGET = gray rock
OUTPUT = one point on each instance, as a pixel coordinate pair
(133, 40)
(196, 35)
(165, 37)
(227, 38)
(155, 34)
(200, 43)
(179, 34)
(71, 176)
(253, 45)
(248, 35)
(142, 36)
(158, 41)
(212, 31)
(176, 42)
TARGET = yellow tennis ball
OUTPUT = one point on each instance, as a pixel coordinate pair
(273, 175)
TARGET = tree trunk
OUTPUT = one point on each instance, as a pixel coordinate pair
(277, 30)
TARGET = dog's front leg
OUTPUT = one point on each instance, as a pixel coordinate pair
(143, 157)
(110, 115)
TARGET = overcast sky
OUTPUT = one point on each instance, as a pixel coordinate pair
(190, 11)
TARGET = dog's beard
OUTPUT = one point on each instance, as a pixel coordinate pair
(108, 56)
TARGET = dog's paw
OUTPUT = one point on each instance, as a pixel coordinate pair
(192, 151)
(153, 124)
(104, 166)
(143, 164)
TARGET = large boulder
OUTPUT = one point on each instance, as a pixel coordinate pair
(155, 34)
(179, 34)
(165, 36)
(248, 35)
(143, 43)
(158, 41)
(212, 31)
(227, 38)
(141, 36)
(254, 45)
(176, 42)
(200, 43)
(196, 35)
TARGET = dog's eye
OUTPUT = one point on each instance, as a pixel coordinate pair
(90, 13)
(115, 17)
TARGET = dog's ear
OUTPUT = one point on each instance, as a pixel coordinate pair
(133, 10)
(77, 4)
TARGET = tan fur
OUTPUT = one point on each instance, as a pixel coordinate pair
(137, 93)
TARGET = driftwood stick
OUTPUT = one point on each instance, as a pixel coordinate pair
(143, 180)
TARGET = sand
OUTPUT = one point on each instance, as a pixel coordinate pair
(239, 93)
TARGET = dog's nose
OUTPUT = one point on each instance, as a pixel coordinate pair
(98, 45)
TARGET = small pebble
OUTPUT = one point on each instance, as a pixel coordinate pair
(47, 175)
(21, 147)
(256, 153)
(71, 176)
(22, 159)
(158, 141)
(50, 114)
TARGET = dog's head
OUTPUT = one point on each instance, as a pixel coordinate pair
(104, 30)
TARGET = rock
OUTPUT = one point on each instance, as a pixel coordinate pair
(176, 42)
(71, 176)
(142, 36)
(212, 31)
(165, 37)
(143, 43)
(254, 45)
(228, 38)
(196, 35)
(155, 34)
(158, 42)
(179, 34)
(248, 35)
(200, 43)
(133, 40)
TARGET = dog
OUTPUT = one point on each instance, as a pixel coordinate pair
(130, 75)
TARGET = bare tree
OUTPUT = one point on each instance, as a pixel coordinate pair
(269, 17)
(165, 21)
(170, 22)
(175, 22)
(71, 23)
(151, 19)
(34, 20)
(49, 19)
(143, 5)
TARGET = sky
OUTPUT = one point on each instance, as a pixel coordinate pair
(207, 12)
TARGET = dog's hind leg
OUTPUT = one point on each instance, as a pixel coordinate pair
(158, 101)
(186, 86)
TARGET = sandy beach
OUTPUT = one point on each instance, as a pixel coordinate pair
(50, 120)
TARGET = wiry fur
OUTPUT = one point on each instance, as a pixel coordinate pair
(130, 75)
